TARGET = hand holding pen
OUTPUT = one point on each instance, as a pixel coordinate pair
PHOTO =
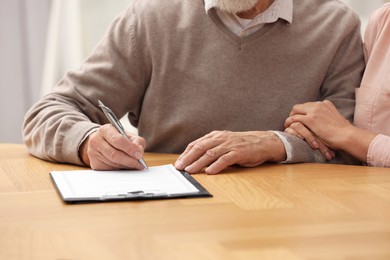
(117, 124)
(110, 148)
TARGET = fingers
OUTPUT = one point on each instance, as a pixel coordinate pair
(214, 159)
(222, 162)
(209, 151)
(301, 131)
(304, 133)
(198, 155)
(108, 149)
(301, 109)
(99, 161)
(297, 118)
(329, 104)
(293, 132)
(326, 152)
(308, 107)
(137, 140)
(220, 149)
(192, 144)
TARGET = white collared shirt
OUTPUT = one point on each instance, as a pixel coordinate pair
(242, 27)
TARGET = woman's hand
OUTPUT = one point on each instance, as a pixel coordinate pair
(320, 124)
(300, 130)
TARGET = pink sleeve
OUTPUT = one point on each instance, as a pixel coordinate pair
(372, 110)
(379, 151)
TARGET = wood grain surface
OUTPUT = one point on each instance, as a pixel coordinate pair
(300, 211)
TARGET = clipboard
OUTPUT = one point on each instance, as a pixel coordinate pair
(159, 182)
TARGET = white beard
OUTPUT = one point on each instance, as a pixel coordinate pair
(235, 6)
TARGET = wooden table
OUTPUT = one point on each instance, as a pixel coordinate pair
(302, 211)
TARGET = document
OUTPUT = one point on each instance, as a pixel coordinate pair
(157, 182)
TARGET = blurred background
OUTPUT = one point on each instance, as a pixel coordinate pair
(42, 39)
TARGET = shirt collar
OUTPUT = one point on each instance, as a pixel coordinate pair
(281, 8)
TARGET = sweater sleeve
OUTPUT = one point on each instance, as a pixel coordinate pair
(56, 125)
(343, 76)
(378, 152)
(302, 152)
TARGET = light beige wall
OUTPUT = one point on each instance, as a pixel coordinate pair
(22, 40)
(364, 8)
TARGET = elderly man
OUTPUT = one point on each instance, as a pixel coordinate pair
(221, 72)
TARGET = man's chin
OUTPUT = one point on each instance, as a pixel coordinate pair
(235, 6)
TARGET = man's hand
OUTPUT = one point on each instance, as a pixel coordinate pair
(220, 149)
(107, 149)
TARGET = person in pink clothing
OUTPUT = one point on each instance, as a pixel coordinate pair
(324, 128)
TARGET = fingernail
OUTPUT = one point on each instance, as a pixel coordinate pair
(188, 169)
(209, 171)
(179, 165)
(328, 156)
(315, 144)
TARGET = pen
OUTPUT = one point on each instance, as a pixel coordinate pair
(117, 124)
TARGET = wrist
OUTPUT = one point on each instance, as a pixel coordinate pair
(277, 152)
(84, 147)
(83, 152)
(356, 142)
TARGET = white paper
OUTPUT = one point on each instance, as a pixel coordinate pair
(98, 184)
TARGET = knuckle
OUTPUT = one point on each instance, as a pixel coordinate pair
(228, 159)
(190, 145)
(289, 130)
(219, 133)
(225, 133)
(211, 153)
(294, 125)
(104, 128)
(198, 147)
(142, 142)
